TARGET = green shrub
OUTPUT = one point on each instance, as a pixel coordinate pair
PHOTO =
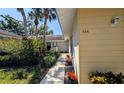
(49, 60)
(22, 52)
(20, 74)
(5, 58)
(30, 51)
(11, 46)
(106, 78)
(54, 53)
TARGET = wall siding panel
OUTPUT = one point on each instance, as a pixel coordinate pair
(102, 48)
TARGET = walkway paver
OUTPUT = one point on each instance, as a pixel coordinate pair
(56, 74)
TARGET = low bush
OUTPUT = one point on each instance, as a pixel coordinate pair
(54, 53)
(49, 61)
(5, 58)
(106, 78)
(20, 74)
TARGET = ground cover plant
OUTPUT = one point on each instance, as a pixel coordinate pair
(106, 78)
(20, 75)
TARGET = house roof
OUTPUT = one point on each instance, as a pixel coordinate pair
(4, 33)
(51, 38)
(66, 18)
(54, 37)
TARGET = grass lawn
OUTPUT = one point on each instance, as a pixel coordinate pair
(21, 75)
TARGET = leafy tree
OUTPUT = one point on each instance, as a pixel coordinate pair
(31, 30)
(10, 24)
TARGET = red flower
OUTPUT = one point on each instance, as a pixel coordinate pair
(71, 75)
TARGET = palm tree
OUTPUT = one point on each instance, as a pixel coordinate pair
(49, 13)
(36, 15)
(21, 10)
(50, 32)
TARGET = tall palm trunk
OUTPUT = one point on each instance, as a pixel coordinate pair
(44, 35)
(36, 28)
(36, 25)
(46, 12)
(25, 22)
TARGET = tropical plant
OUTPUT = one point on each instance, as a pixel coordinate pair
(36, 15)
(48, 31)
(49, 14)
(21, 10)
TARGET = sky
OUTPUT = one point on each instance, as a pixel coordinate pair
(54, 25)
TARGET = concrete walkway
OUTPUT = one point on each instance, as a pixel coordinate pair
(56, 74)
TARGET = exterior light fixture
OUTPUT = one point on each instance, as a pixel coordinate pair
(115, 20)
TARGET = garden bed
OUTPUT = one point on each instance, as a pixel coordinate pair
(21, 75)
(23, 62)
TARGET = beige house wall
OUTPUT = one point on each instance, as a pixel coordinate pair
(102, 47)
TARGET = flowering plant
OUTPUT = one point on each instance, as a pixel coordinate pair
(72, 76)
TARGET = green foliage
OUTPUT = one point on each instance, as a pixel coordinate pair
(29, 52)
(20, 74)
(22, 52)
(10, 24)
(11, 46)
(49, 60)
(106, 78)
(5, 58)
(23, 75)
(47, 32)
(55, 53)
(36, 15)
